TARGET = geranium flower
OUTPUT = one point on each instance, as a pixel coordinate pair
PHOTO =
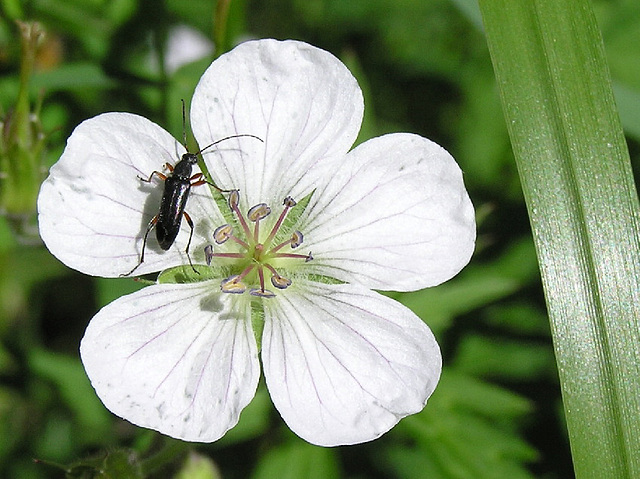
(343, 363)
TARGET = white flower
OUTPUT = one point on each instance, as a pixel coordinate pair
(185, 45)
(343, 364)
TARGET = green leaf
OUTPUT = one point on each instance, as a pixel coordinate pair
(578, 184)
(505, 359)
(628, 100)
(412, 464)
(15, 420)
(468, 429)
(459, 392)
(297, 460)
(519, 317)
(470, 9)
(68, 376)
(72, 76)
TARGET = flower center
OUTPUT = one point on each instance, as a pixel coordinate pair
(253, 257)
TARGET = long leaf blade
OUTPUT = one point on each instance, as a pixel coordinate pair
(576, 175)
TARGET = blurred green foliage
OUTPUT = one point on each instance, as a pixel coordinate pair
(424, 68)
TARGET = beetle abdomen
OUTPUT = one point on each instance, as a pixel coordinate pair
(176, 193)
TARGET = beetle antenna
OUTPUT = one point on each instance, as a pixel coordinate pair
(184, 126)
(228, 138)
(184, 134)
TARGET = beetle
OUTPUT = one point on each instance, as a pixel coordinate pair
(177, 186)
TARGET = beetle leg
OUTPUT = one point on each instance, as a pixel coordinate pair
(157, 173)
(190, 223)
(199, 179)
(150, 226)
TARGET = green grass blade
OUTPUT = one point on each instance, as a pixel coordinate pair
(577, 180)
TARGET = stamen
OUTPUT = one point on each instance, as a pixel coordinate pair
(305, 257)
(229, 255)
(234, 199)
(234, 284)
(278, 281)
(224, 233)
(288, 203)
(246, 271)
(255, 214)
(239, 241)
(295, 241)
(261, 276)
(264, 293)
(256, 255)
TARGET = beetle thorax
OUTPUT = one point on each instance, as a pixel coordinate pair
(184, 166)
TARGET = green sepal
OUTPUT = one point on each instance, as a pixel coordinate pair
(257, 320)
(223, 205)
(186, 274)
(320, 278)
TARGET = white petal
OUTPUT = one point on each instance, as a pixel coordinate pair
(394, 216)
(344, 364)
(94, 209)
(177, 358)
(301, 100)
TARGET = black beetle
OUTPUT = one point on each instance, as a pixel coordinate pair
(177, 185)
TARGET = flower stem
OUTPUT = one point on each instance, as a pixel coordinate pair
(171, 450)
(220, 27)
(22, 144)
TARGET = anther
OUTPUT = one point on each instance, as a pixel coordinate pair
(222, 233)
(263, 293)
(280, 282)
(258, 212)
(208, 254)
(296, 239)
(289, 202)
(233, 285)
(234, 199)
